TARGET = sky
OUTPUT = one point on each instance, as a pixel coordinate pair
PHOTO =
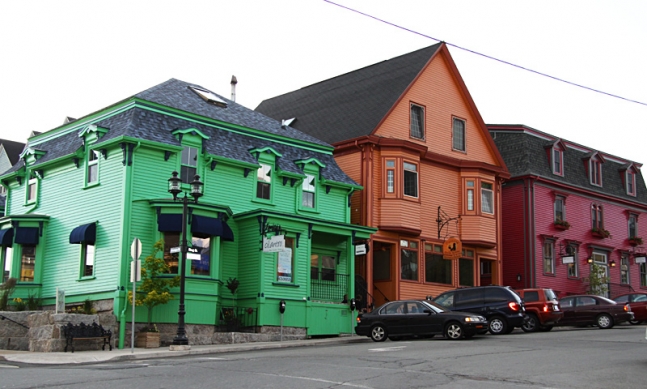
(71, 58)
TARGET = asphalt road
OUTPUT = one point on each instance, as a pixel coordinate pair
(562, 358)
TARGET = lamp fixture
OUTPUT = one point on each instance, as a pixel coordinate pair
(589, 260)
(612, 263)
(518, 277)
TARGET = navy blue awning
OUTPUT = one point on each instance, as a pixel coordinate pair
(6, 237)
(204, 227)
(86, 233)
(169, 222)
(27, 235)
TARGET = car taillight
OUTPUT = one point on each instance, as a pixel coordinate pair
(545, 308)
(627, 308)
(514, 306)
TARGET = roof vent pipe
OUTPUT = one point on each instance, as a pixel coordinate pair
(233, 88)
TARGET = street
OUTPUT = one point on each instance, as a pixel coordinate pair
(563, 358)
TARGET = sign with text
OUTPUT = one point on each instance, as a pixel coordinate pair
(452, 248)
(361, 249)
(274, 244)
(284, 268)
(193, 254)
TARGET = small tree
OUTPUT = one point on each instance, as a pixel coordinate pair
(598, 280)
(6, 289)
(154, 290)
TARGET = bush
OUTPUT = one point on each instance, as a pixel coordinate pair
(6, 290)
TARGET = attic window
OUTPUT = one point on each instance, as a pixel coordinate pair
(209, 97)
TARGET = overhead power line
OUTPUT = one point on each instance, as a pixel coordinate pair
(485, 55)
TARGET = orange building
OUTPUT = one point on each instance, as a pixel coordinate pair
(407, 130)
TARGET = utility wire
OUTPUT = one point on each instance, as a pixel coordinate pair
(485, 55)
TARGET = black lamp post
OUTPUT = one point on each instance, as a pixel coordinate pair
(175, 188)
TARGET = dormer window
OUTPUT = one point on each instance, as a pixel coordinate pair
(93, 167)
(595, 171)
(189, 162)
(558, 161)
(630, 182)
(209, 97)
(264, 182)
(308, 191)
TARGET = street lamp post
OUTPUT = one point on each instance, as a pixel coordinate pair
(175, 188)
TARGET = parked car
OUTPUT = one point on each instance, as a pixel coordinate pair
(398, 319)
(500, 305)
(542, 309)
(638, 304)
(585, 310)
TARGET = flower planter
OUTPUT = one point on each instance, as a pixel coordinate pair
(147, 339)
(635, 242)
(602, 234)
(562, 227)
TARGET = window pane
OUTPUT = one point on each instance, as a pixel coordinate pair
(389, 181)
(285, 262)
(417, 129)
(557, 161)
(92, 173)
(190, 156)
(308, 200)
(465, 272)
(438, 269)
(27, 263)
(264, 178)
(171, 239)
(88, 267)
(548, 258)
(203, 266)
(409, 265)
(8, 256)
(487, 198)
(459, 135)
(632, 226)
(187, 174)
(32, 190)
(559, 209)
(470, 199)
(410, 180)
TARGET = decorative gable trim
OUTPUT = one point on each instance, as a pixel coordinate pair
(31, 155)
(256, 152)
(314, 161)
(180, 132)
(93, 131)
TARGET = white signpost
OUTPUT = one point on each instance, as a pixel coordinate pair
(135, 275)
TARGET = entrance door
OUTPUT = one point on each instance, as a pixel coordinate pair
(383, 273)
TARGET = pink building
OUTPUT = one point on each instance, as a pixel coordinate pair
(566, 208)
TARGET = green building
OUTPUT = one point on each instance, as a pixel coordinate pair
(81, 193)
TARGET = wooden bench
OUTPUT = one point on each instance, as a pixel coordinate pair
(81, 331)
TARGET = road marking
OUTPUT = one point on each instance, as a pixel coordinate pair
(383, 349)
(8, 366)
(319, 380)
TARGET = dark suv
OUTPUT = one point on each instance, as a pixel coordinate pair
(500, 305)
(542, 309)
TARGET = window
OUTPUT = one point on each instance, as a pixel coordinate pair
(87, 258)
(624, 269)
(27, 262)
(643, 274)
(3, 190)
(597, 221)
(410, 179)
(633, 226)
(630, 179)
(409, 260)
(458, 132)
(201, 267)
(263, 182)
(595, 172)
(390, 176)
(417, 129)
(171, 239)
(487, 198)
(189, 163)
(560, 213)
(470, 195)
(308, 191)
(465, 272)
(285, 262)
(571, 268)
(558, 161)
(7, 257)
(322, 267)
(486, 268)
(93, 167)
(32, 189)
(437, 269)
(549, 257)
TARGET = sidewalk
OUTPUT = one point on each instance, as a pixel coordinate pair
(61, 358)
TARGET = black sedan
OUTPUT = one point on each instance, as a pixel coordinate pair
(397, 319)
(587, 309)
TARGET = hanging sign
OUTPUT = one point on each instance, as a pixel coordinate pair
(452, 248)
(361, 249)
(274, 244)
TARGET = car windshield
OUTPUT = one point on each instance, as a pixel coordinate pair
(550, 295)
(435, 306)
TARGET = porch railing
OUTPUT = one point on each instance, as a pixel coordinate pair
(237, 318)
(328, 286)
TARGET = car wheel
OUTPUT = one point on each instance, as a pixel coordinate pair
(498, 325)
(454, 331)
(635, 322)
(545, 328)
(532, 324)
(604, 321)
(378, 333)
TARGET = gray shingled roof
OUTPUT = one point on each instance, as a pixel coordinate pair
(352, 104)
(13, 149)
(525, 154)
(154, 126)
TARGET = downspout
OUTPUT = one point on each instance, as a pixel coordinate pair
(122, 293)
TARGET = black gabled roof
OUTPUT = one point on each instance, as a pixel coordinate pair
(524, 152)
(352, 104)
(155, 126)
(13, 149)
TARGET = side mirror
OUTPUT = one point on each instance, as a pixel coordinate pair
(282, 306)
(427, 311)
(353, 304)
